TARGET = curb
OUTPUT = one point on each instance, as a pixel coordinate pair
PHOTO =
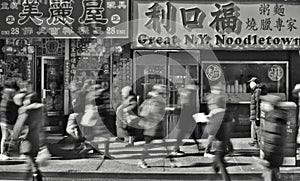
(163, 176)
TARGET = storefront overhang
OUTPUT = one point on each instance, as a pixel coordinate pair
(64, 18)
(235, 25)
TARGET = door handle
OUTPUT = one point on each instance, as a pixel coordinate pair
(44, 94)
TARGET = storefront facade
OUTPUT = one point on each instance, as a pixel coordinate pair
(170, 42)
(217, 43)
(53, 43)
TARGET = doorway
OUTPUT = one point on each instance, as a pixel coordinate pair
(52, 90)
(173, 68)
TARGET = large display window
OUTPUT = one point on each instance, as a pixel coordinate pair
(232, 76)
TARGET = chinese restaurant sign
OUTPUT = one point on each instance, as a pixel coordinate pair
(180, 24)
(64, 18)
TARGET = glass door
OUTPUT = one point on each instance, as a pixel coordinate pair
(150, 69)
(173, 68)
(183, 69)
(52, 85)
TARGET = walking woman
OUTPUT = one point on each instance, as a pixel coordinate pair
(31, 114)
(127, 127)
(186, 123)
(153, 116)
(219, 126)
(93, 121)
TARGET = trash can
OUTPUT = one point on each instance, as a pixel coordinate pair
(291, 131)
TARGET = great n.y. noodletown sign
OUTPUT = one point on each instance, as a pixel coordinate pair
(208, 24)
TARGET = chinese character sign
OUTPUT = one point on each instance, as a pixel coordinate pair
(64, 18)
(60, 12)
(31, 12)
(93, 13)
(226, 19)
(233, 25)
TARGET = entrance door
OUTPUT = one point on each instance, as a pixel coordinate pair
(175, 69)
(150, 69)
(52, 87)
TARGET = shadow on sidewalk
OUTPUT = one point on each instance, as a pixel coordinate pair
(12, 162)
(246, 152)
(228, 164)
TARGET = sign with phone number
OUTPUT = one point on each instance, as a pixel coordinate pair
(64, 18)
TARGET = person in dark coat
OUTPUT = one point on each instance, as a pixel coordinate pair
(273, 136)
(257, 90)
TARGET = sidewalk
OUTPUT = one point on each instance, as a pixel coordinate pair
(241, 166)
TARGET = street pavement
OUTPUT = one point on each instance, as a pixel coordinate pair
(242, 165)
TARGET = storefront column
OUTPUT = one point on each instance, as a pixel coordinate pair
(66, 77)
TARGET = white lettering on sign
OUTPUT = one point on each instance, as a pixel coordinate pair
(275, 73)
(60, 12)
(221, 25)
(213, 72)
(256, 40)
(30, 11)
(146, 40)
(10, 19)
(93, 13)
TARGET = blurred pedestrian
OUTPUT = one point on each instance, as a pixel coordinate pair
(31, 114)
(78, 98)
(92, 122)
(220, 127)
(186, 123)
(257, 90)
(216, 91)
(153, 121)
(127, 116)
(273, 136)
(296, 93)
(8, 115)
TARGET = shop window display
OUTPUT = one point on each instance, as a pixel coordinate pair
(14, 67)
(233, 76)
(16, 59)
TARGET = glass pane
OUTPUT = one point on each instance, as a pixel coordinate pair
(150, 70)
(236, 74)
(53, 85)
